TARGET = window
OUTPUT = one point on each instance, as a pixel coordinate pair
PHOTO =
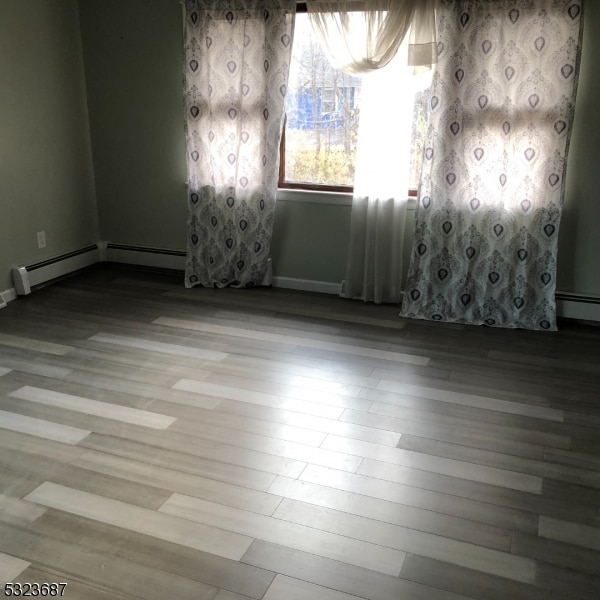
(318, 147)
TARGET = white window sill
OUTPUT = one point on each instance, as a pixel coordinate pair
(314, 196)
(319, 197)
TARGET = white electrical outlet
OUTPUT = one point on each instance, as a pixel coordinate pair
(41, 238)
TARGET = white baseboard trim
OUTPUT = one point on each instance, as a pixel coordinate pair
(569, 305)
(175, 259)
(307, 285)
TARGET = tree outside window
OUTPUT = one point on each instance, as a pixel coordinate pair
(322, 118)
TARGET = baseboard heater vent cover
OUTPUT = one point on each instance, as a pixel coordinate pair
(160, 258)
(28, 277)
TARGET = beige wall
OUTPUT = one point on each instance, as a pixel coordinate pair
(46, 176)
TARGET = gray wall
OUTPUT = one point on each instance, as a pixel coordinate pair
(579, 241)
(46, 176)
(133, 58)
(133, 61)
(132, 53)
(310, 239)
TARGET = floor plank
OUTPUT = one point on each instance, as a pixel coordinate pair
(408, 540)
(496, 404)
(391, 512)
(567, 531)
(338, 576)
(152, 346)
(286, 588)
(41, 428)
(164, 527)
(261, 398)
(478, 585)
(195, 464)
(420, 496)
(106, 571)
(262, 444)
(94, 407)
(154, 553)
(173, 480)
(349, 550)
(436, 464)
(11, 568)
(33, 344)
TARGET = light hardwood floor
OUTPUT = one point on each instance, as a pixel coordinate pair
(158, 443)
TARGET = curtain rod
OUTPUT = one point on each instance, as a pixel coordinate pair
(355, 5)
(301, 7)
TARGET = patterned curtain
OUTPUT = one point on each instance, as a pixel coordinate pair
(494, 164)
(236, 64)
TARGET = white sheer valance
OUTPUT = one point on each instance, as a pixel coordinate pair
(361, 36)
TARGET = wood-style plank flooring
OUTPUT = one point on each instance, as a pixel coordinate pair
(158, 442)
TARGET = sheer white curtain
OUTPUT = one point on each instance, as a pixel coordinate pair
(361, 36)
(375, 257)
(371, 38)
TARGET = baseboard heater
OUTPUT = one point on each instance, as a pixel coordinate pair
(578, 306)
(569, 305)
(159, 258)
(27, 277)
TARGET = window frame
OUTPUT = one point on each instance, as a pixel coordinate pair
(301, 7)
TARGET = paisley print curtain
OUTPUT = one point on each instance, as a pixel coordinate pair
(236, 64)
(494, 164)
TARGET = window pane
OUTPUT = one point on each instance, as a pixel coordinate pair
(322, 115)
(323, 109)
(419, 129)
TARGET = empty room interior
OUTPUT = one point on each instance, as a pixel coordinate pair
(216, 390)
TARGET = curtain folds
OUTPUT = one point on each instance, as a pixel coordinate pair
(236, 64)
(492, 185)
(363, 36)
(373, 41)
(374, 270)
